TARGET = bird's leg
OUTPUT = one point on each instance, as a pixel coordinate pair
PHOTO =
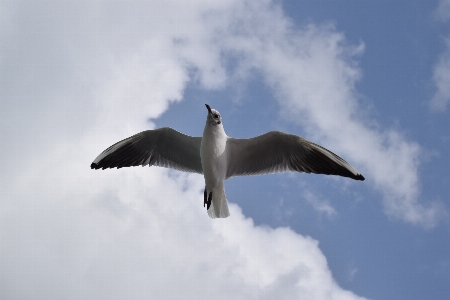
(205, 200)
(209, 201)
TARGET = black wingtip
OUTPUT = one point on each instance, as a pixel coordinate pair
(359, 177)
(94, 166)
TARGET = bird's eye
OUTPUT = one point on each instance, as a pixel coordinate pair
(216, 116)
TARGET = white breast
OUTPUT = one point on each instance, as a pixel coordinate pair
(213, 155)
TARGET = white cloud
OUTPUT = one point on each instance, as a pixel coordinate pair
(441, 79)
(80, 76)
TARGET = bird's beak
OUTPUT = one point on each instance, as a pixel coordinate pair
(208, 107)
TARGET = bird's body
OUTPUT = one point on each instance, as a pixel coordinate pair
(213, 154)
(219, 157)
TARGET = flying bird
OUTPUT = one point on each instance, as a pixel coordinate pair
(219, 157)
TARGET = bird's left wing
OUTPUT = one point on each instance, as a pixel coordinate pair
(163, 147)
(279, 152)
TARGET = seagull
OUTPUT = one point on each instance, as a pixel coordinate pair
(219, 157)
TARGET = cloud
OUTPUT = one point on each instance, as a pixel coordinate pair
(443, 11)
(79, 76)
(441, 71)
(352, 273)
(441, 78)
(322, 206)
(317, 90)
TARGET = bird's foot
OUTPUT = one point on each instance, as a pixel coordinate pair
(206, 199)
(208, 204)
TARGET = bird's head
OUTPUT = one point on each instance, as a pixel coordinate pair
(213, 117)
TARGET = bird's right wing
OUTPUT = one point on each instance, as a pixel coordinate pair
(163, 147)
(279, 152)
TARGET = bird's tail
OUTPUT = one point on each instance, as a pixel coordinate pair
(219, 204)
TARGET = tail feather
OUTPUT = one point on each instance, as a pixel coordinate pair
(219, 204)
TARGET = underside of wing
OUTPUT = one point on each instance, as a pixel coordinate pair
(279, 152)
(164, 147)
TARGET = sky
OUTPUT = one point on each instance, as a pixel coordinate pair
(369, 80)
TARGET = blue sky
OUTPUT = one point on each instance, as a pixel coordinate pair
(368, 80)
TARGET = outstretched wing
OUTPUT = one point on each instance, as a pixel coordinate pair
(163, 147)
(279, 152)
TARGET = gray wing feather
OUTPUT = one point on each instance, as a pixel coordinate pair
(163, 147)
(279, 152)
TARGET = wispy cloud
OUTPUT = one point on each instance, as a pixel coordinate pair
(320, 205)
(443, 11)
(352, 271)
(441, 71)
(441, 79)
